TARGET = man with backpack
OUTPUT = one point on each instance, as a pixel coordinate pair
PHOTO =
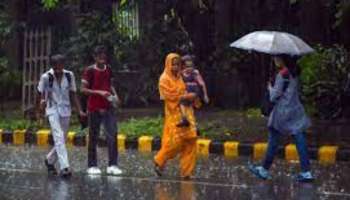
(102, 100)
(56, 87)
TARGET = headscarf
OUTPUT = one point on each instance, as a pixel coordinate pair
(171, 87)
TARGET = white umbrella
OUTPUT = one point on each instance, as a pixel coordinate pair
(272, 42)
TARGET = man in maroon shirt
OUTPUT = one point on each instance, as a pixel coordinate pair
(97, 84)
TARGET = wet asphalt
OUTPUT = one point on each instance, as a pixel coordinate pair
(23, 176)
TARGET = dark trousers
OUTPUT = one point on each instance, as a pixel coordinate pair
(109, 121)
(300, 143)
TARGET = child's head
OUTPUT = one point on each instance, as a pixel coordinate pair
(100, 55)
(57, 62)
(187, 61)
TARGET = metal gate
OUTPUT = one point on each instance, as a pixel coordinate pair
(36, 52)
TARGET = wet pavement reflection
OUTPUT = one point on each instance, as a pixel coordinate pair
(23, 176)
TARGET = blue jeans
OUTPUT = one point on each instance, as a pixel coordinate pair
(272, 147)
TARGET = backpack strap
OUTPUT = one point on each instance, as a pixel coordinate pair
(68, 77)
(48, 94)
(50, 80)
(66, 74)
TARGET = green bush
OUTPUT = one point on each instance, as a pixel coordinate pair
(145, 126)
(253, 113)
(323, 78)
(15, 124)
(9, 79)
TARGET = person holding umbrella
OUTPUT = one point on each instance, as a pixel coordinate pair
(287, 115)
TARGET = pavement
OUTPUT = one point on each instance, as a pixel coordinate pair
(23, 176)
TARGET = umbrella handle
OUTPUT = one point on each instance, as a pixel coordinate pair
(271, 71)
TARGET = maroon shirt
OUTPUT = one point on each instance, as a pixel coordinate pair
(98, 79)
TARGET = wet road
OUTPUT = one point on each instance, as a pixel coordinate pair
(23, 176)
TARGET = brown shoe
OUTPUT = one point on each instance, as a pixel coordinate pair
(158, 170)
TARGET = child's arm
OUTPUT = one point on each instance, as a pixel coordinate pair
(201, 82)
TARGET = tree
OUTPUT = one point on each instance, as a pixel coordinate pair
(9, 77)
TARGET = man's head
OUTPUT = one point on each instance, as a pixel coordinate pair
(100, 55)
(57, 62)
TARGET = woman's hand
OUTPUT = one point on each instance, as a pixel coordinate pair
(269, 85)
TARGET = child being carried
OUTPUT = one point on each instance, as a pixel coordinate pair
(194, 84)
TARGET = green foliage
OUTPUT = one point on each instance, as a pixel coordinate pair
(253, 113)
(146, 126)
(144, 54)
(324, 73)
(50, 4)
(9, 79)
(17, 124)
(293, 2)
(214, 130)
(343, 10)
(6, 24)
(91, 32)
(326, 65)
(229, 59)
(124, 20)
(123, 2)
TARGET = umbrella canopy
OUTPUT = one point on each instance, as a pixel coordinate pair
(272, 42)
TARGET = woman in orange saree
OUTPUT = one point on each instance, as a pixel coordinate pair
(176, 140)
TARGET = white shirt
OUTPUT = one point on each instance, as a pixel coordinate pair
(57, 98)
